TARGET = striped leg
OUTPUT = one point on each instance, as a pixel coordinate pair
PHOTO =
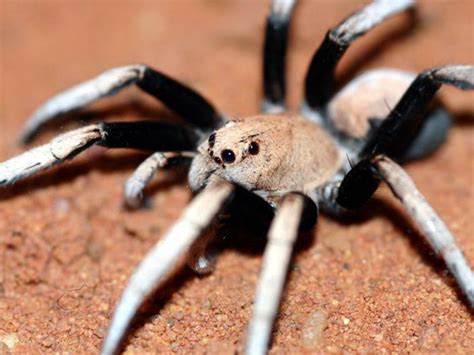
(175, 95)
(144, 135)
(274, 55)
(399, 130)
(320, 76)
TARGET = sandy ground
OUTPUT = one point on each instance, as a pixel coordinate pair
(67, 247)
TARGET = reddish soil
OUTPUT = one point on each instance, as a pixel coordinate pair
(67, 247)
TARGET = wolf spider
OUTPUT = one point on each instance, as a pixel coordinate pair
(331, 157)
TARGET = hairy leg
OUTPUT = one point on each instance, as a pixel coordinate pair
(178, 97)
(398, 131)
(276, 260)
(434, 229)
(274, 55)
(145, 135)
(320, 77)
(164, 256)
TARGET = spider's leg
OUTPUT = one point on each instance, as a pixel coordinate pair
(366, 175)
(175, 95)
(274, 55)
(397, 132)
(320, 76)
(136, 183)
(399, 129)
(276, 260)
(144, 135)
(435, 231)
(163, 257)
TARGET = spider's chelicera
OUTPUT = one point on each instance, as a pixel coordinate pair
(330, 157)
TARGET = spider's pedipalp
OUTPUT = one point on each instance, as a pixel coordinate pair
(178, 97)
(320, 76)
(276, 259)
(144, 135)
(274, 54)
(163, 257)
(201, 257)
(136, 183)
(434, 229)
(245, 207)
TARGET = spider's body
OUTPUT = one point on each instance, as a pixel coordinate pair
(283, 163)
(331, 156)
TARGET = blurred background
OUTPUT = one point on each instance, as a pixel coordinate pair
(67, 246)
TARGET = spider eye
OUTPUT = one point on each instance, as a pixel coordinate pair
(253, 148)
(228, 156)
(212, 140)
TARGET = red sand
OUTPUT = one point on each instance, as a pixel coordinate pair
(67, 248)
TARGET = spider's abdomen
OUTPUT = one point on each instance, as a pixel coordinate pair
(268, 154)
(369, 96)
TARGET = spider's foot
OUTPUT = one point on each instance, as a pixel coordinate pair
(133, 197)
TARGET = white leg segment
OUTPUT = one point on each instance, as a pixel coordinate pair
(435, 231)
(282, 9)
(105, 84)
(276, 259)
(161, 259)
(367, 18)
(459, 75)
(133, 189)
(61, 148)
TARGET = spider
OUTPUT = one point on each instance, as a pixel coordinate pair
(379, 117)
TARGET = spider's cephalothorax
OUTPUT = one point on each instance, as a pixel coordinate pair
(332, 156)
(267, 155)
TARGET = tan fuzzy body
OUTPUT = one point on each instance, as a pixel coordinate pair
(371, 95)
(293, 155)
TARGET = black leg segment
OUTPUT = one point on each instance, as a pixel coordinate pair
(148, 135)
(274, 55)
(320, 77)
(180, 98)
(358, 186)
